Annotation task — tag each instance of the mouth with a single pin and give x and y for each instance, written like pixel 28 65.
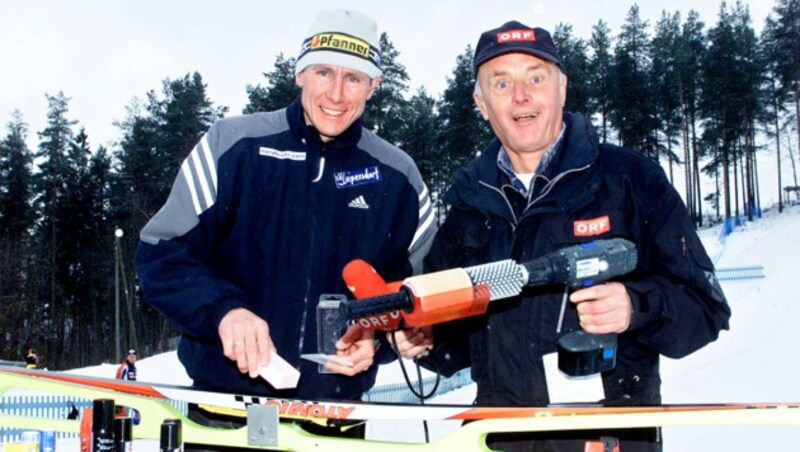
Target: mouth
pixel 332 112
pixel 524 116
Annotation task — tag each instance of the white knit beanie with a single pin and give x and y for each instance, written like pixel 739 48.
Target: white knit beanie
pixel 342 38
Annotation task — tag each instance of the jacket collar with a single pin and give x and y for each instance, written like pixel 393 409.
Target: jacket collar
pixel 308 133
pixel 504 163
pixel 480 183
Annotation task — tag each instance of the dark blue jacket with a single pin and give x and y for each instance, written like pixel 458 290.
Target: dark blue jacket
pixel 263 215
pixel 678 306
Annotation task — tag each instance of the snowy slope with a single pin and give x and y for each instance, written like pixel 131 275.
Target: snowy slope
pixel 757 360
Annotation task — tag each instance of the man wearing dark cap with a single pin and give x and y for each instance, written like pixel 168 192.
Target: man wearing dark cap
pixel 545 183
pixel 266 211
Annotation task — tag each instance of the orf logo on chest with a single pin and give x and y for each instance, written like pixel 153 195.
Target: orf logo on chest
pixel 588 228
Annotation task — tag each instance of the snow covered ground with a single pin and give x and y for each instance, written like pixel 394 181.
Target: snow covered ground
pixel 756 361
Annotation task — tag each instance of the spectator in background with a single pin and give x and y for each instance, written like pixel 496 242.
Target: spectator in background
pixel 32 359
pixel 127 370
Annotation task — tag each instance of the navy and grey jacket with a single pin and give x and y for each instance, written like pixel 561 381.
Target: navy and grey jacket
pixel 588 191
pixel 263 215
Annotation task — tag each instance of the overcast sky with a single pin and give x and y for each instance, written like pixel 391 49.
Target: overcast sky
pixel 102 54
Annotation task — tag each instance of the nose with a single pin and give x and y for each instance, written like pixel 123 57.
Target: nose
pixel 336 89
pixel 520 93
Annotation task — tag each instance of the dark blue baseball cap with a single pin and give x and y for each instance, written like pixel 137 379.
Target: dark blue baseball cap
pixel 514 37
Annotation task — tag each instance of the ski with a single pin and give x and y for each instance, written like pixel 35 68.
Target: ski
pixel 153 403
pixel 289 408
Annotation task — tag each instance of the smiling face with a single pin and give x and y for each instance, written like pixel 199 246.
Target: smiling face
pixel 522 97
pixel 333 97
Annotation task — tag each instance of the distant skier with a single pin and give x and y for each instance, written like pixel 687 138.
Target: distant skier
pixel 127 370
pixel 32 359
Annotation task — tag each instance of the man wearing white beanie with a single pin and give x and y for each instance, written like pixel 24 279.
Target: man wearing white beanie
pixel 267 210
pixel 342 45
pixel 354 44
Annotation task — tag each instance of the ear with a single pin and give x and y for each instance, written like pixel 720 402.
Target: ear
pixel 373 85
pixel 562 89
pixel 481 104
pixel 298 79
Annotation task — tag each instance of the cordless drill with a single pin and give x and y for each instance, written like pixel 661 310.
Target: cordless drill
pixel 438 297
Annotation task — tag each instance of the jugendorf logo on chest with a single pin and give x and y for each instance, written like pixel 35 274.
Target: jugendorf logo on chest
pixel 357 177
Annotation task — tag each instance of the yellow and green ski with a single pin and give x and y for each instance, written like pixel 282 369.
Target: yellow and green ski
pixel 152 402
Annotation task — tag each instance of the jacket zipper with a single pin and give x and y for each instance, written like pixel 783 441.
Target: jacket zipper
pixel 310 268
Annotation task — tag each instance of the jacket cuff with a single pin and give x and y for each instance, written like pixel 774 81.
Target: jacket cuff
pixel 645 308
pixel 384 353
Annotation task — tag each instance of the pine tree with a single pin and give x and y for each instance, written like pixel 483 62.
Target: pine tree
pixel 732 76
pixel 778 98
pixel 139 177
pixel 384 111
pixel 691 53
pixel 157 137
pixel 98 232
pixel 281 89
pixel 47 316
pixel 184 115
pixel 16 221
pixel 136 190
pixel 785 43
pixel 753 102
pixel 575 64
pixel 713 101
pixel 463 133
pixel 665 80
pixel 16 161
pixel 85 272
pixel 600 75
pixel 633 118
pixel 418 139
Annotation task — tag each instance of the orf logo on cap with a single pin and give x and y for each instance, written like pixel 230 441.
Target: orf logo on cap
pixel 515 35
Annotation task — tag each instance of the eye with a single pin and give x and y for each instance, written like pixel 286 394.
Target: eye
pixel 537 79
pixel 353 79
pixel 502 84
pixel 323 73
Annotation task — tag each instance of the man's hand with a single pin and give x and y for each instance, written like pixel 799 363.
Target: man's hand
pixel 356 345
pixel 604 308
pixel 245 339
pixel 412 342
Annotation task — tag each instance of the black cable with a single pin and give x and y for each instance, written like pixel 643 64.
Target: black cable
pixel 419 395
pixel 422 397
pixel 422 401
